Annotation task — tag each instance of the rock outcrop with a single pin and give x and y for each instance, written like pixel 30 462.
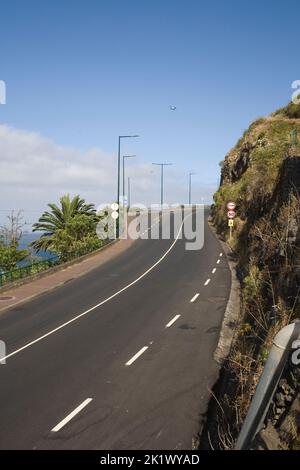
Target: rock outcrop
pixel 262 175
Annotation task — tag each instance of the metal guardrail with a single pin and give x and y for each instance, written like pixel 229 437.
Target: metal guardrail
pixel 279 354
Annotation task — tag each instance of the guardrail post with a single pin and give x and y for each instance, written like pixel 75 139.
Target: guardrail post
pixel 267 384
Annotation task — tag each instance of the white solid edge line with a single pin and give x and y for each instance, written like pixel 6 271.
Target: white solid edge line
pixel 100 303
pixel 207 282
pixel 218 261
pixel 194 298
pixel 172 321
pixel 71 415
pixel 214 270
pixel 136 356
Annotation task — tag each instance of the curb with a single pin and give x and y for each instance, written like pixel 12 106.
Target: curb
pixel 228 330
pixel 232 313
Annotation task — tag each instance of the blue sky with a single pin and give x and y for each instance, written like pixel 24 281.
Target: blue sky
pixel 79 73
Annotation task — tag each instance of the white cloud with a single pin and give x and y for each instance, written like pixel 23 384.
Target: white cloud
pixel 29 160
pixel 35 171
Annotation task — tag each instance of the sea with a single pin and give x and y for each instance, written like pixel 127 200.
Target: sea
pixel 25 240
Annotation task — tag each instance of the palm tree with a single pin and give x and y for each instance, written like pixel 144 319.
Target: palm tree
pixel 57 219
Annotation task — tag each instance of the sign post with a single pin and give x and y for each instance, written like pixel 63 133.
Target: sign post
pixel 231 214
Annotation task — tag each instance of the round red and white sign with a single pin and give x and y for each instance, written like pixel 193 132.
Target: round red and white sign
pixel 231 206
pixel 231 214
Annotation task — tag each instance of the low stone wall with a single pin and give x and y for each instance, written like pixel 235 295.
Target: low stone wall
pixel 59 267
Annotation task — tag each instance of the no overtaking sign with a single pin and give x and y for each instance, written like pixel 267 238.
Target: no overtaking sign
pixel 231 214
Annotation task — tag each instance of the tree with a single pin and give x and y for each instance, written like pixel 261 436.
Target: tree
pixel 69 228
pixel 10 256
pixel 11 232
pixel 10 235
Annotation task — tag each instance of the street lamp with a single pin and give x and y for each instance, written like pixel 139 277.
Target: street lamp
pixel 128 191
pixel 125 156
pixel 119 165
pixel 162 180
pixel 190 186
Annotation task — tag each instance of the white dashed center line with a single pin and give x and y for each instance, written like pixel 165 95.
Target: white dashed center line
pixel 172 321
pixel 71 415
pixel 136 356
pixel 214 270
pixel 194 298
pixel 221 254
pixel 207 282
pixel 218 262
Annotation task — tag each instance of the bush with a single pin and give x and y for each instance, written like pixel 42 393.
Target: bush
pixel 10 255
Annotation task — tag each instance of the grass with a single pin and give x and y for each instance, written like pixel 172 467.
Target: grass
pixel 270 141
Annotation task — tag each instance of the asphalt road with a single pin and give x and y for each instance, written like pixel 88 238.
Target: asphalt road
pixel 93 364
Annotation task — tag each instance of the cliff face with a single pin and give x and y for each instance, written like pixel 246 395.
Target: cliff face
pixel 251 170
pixel 262 175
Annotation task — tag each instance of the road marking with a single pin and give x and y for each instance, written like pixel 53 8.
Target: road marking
pixel 71 415
pixel 172 321
pixel 221 254
pixel 100 303
pixel 214 270
pixel 218 262
pixel 136 356
pixel 207 282
pixel 194 298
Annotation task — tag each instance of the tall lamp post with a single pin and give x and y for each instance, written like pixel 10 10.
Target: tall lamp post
pixel 162 180
pixel 190 186
pixel 119 165
pixel 125 156
pixel 128 191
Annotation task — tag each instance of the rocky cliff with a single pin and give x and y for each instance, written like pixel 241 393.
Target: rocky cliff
pixel 261 174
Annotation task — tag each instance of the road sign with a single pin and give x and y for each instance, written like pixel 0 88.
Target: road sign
pixel 231 205
pixel 115 206
pixel 230 222
pixel 231 214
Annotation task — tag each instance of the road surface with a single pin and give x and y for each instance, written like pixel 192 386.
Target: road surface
pixel 120 358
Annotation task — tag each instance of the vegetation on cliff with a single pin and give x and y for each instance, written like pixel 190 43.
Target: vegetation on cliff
pixel 250 170
pixel 262 175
